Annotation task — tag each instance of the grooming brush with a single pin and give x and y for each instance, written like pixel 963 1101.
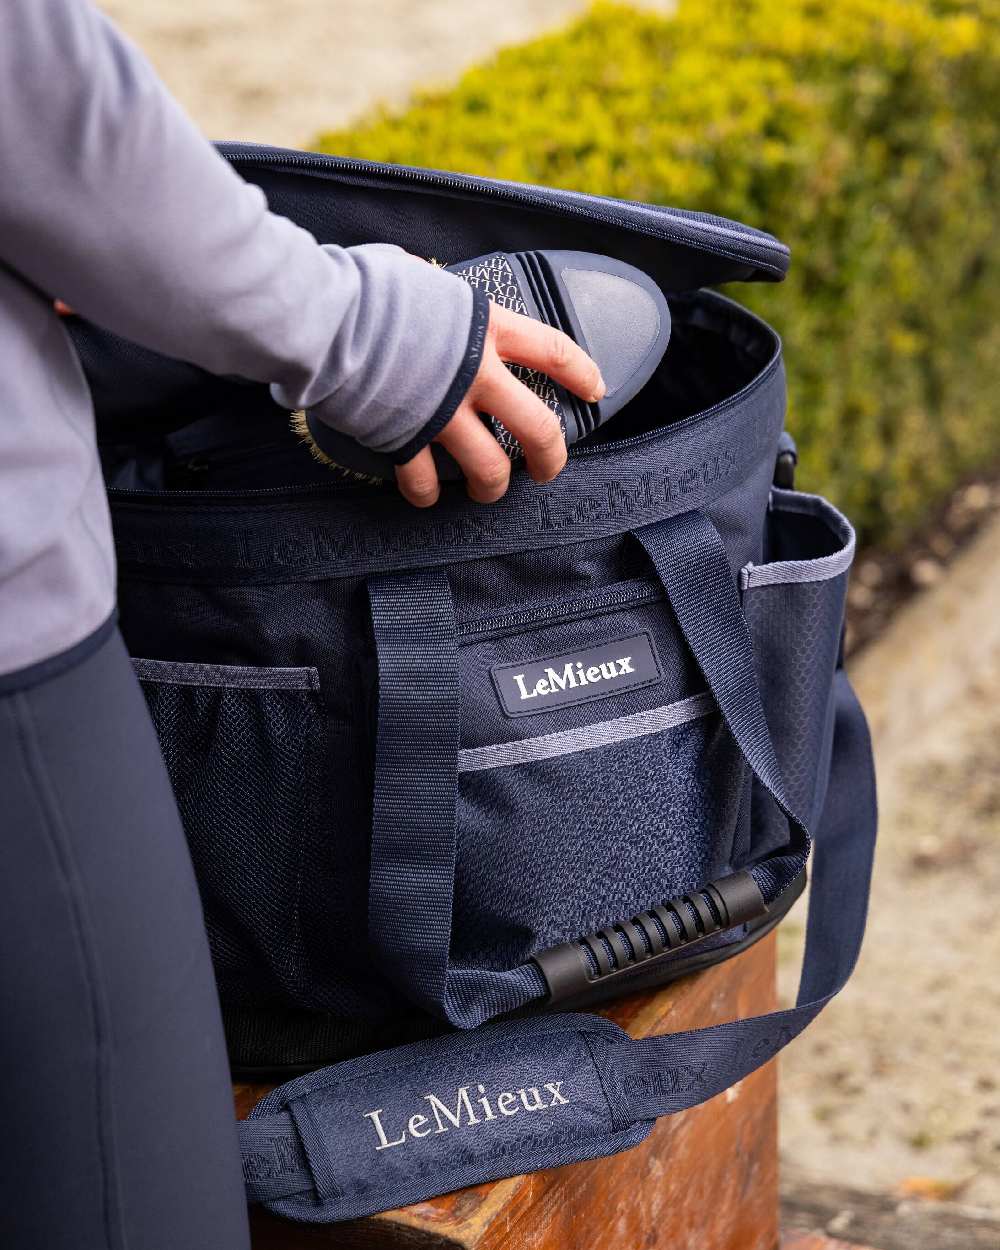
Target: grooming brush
pixel 616 313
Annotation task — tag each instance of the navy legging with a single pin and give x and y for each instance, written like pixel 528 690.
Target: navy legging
pixel 116 1118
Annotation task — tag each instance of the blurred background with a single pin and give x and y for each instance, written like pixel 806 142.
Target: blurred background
pixel 865 135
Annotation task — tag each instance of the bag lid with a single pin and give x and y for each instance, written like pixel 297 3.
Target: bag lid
pixel 447 216
pixel 390 203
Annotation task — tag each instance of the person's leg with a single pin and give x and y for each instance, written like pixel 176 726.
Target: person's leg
pixel 116 1121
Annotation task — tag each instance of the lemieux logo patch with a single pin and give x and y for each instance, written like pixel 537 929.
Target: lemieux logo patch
pixel 577 676
pixel 507 1103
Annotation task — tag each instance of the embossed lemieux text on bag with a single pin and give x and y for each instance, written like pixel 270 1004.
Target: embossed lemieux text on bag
pixel 451 776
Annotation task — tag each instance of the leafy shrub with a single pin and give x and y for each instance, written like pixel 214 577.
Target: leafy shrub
pixel 864 133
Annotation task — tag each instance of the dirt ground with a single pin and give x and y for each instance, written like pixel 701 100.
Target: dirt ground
pixel 280 71
pixel 897 1084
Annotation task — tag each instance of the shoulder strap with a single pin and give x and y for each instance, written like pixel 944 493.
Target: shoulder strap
pixel 514 1096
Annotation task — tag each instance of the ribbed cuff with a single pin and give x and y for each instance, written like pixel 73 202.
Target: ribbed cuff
pixel 461 382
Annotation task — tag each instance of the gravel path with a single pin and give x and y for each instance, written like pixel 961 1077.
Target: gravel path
pixel 896 1086
pixel 281 73
pixel 897 1083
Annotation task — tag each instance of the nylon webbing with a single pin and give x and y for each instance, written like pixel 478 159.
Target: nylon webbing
pixel 274 1163
pixel 668 1073
pixel 413 850
pixel 411 880
pixel 412 871
pixel 691 561
pixel 664 1074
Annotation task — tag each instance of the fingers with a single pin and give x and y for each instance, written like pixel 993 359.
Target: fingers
pixel 418 480
pixel 495 390
pixel 519 410
pixel 479 455
pixel 529 342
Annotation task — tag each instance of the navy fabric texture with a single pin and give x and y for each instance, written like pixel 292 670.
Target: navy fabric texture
pixel 413 861
pixel 412 855
pixel 335 531
pixel 666 1074
pixel 397 1126
pixel 794 606
pixel 412 867
pixel 692 562
pixel 397 841
pixel 312 1150
pixel 306 1150
pixel 276 785
pixel 300 890
pixel 245 763
pixel 118 1126
pixel 666 807
pixel 517 638
pixel 796 629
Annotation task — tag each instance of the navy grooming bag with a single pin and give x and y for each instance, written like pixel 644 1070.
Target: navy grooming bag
pixel 451 776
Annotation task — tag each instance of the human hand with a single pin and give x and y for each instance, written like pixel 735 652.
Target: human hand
pixel 519 340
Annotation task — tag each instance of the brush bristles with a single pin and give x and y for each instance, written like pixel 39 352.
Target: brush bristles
pixel 300 427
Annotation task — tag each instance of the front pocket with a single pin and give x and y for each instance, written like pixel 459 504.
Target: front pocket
pixel 600 784
pixel 240 747
pixel 794 604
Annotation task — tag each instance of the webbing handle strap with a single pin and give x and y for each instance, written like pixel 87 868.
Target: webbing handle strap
pixel 677 1070
pixel 412 874
pixel 514 1096
pixel 691 561
pixel 411 881
pixel 413 846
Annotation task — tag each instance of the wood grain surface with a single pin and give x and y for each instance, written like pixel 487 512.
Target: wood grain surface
pixel 705 1179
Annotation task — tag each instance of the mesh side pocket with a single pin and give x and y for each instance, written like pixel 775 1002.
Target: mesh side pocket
pixel 239 747
pixel 795 607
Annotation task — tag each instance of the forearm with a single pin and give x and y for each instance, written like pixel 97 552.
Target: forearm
pixel 112 201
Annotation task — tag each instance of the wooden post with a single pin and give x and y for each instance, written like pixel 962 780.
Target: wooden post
pixel 705 1179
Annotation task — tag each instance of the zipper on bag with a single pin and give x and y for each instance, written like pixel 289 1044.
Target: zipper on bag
pixel 623 214
pixel 635 593
pixel 761 248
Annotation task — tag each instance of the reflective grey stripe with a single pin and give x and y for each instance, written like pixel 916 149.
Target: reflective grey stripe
pixel 225 676
pixel 586 737
pixel 783 572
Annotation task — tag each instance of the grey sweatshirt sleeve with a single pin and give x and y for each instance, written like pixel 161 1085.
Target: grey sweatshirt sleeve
pixel 113 202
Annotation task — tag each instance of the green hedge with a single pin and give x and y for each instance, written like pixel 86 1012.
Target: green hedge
pixel 864 133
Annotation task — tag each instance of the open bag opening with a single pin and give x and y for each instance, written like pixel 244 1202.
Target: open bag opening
pixel 417 751
pixel 210 434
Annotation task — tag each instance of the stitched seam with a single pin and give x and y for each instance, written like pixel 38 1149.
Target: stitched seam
pixel 225 676
pixel 616 1124
pixel 320 1080
pixel 591 737
pixel 54 825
